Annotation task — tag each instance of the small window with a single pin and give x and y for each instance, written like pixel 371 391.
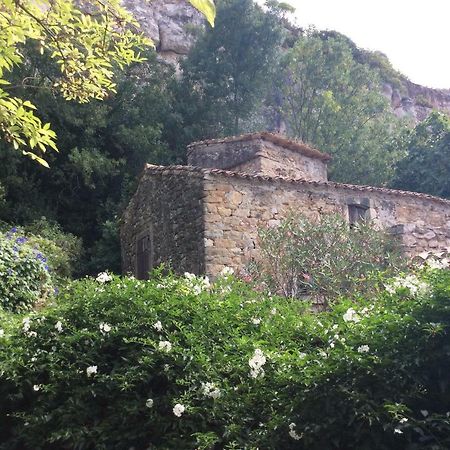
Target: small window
pixel 357 213
pixel 144 256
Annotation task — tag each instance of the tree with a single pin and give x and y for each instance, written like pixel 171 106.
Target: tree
pixel 331 101
pixel 103 147
pixel 229 70
pixel 87 43
pixel 426 166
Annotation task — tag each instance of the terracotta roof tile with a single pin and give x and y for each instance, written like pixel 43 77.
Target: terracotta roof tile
pixel 332 184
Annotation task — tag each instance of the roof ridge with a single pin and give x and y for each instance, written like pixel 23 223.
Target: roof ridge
pixel 355 187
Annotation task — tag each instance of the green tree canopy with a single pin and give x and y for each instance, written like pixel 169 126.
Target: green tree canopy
pixel 103 147
pixel 87 42
pixel 229 69
pixel 331 101
pixel 426 166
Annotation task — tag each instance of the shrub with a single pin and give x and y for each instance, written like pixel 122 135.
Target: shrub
pixel 175 363
pixel 422 100
pixel 62 250
pixel 24 273
pixel 324 260
pixel 105 252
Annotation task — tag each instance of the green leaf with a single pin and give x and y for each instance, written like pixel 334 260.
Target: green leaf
pixel 28 104
pixel 207 8
pixel 37 158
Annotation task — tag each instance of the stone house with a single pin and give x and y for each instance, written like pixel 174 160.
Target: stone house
pixel 204 216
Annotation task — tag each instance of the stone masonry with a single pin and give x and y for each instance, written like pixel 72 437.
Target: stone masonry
pixel 202 219
pixel 260 154
pixel 167 209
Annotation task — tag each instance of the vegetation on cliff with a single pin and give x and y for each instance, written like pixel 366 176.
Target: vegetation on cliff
pixel 330 100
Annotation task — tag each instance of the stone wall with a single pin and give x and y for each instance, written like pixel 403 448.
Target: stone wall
pixel 260 154
pixel 237 205
pixel 290 164
pixel 168 207
pixel 223 155
pixel 202 220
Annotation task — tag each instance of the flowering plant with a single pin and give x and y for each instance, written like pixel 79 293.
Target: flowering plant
pixel 325 260
pixel 24 273
pixel 190 369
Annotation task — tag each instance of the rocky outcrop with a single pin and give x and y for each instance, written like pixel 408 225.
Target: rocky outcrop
pixel 415 101
pixel 169 23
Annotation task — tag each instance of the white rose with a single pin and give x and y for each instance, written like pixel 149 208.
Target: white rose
pixel 165 345
pixel 105 327
pixel 91 370
pixel 178 409
pixel 103 277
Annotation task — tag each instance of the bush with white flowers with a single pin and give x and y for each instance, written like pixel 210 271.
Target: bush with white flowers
pixel 162 364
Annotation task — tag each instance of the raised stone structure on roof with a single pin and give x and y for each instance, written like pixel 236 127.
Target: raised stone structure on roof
pixel 260 154
pixel 201 219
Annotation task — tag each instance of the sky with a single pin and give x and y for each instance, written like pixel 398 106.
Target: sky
pixel 414 34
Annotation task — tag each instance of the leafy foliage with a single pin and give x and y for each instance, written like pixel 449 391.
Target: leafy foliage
pixel 228 72
pixel 88 41
pixel 193 366
pixel 104 146
pixel 85 45
pixel 24 273
pixel 334 103
pixel 324 259
pixel 207 8
pixel 63 250
pixel 426 166
pixel 376 60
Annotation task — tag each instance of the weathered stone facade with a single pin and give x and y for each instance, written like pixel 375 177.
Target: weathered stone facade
pixel 261 154
pixel 203 219
pixel 168 209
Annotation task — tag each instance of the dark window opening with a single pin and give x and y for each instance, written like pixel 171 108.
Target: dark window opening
pixel 357 213
pixel 144 256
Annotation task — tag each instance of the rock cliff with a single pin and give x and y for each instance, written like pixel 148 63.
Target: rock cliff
pixel 416 101
pixel 170 23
